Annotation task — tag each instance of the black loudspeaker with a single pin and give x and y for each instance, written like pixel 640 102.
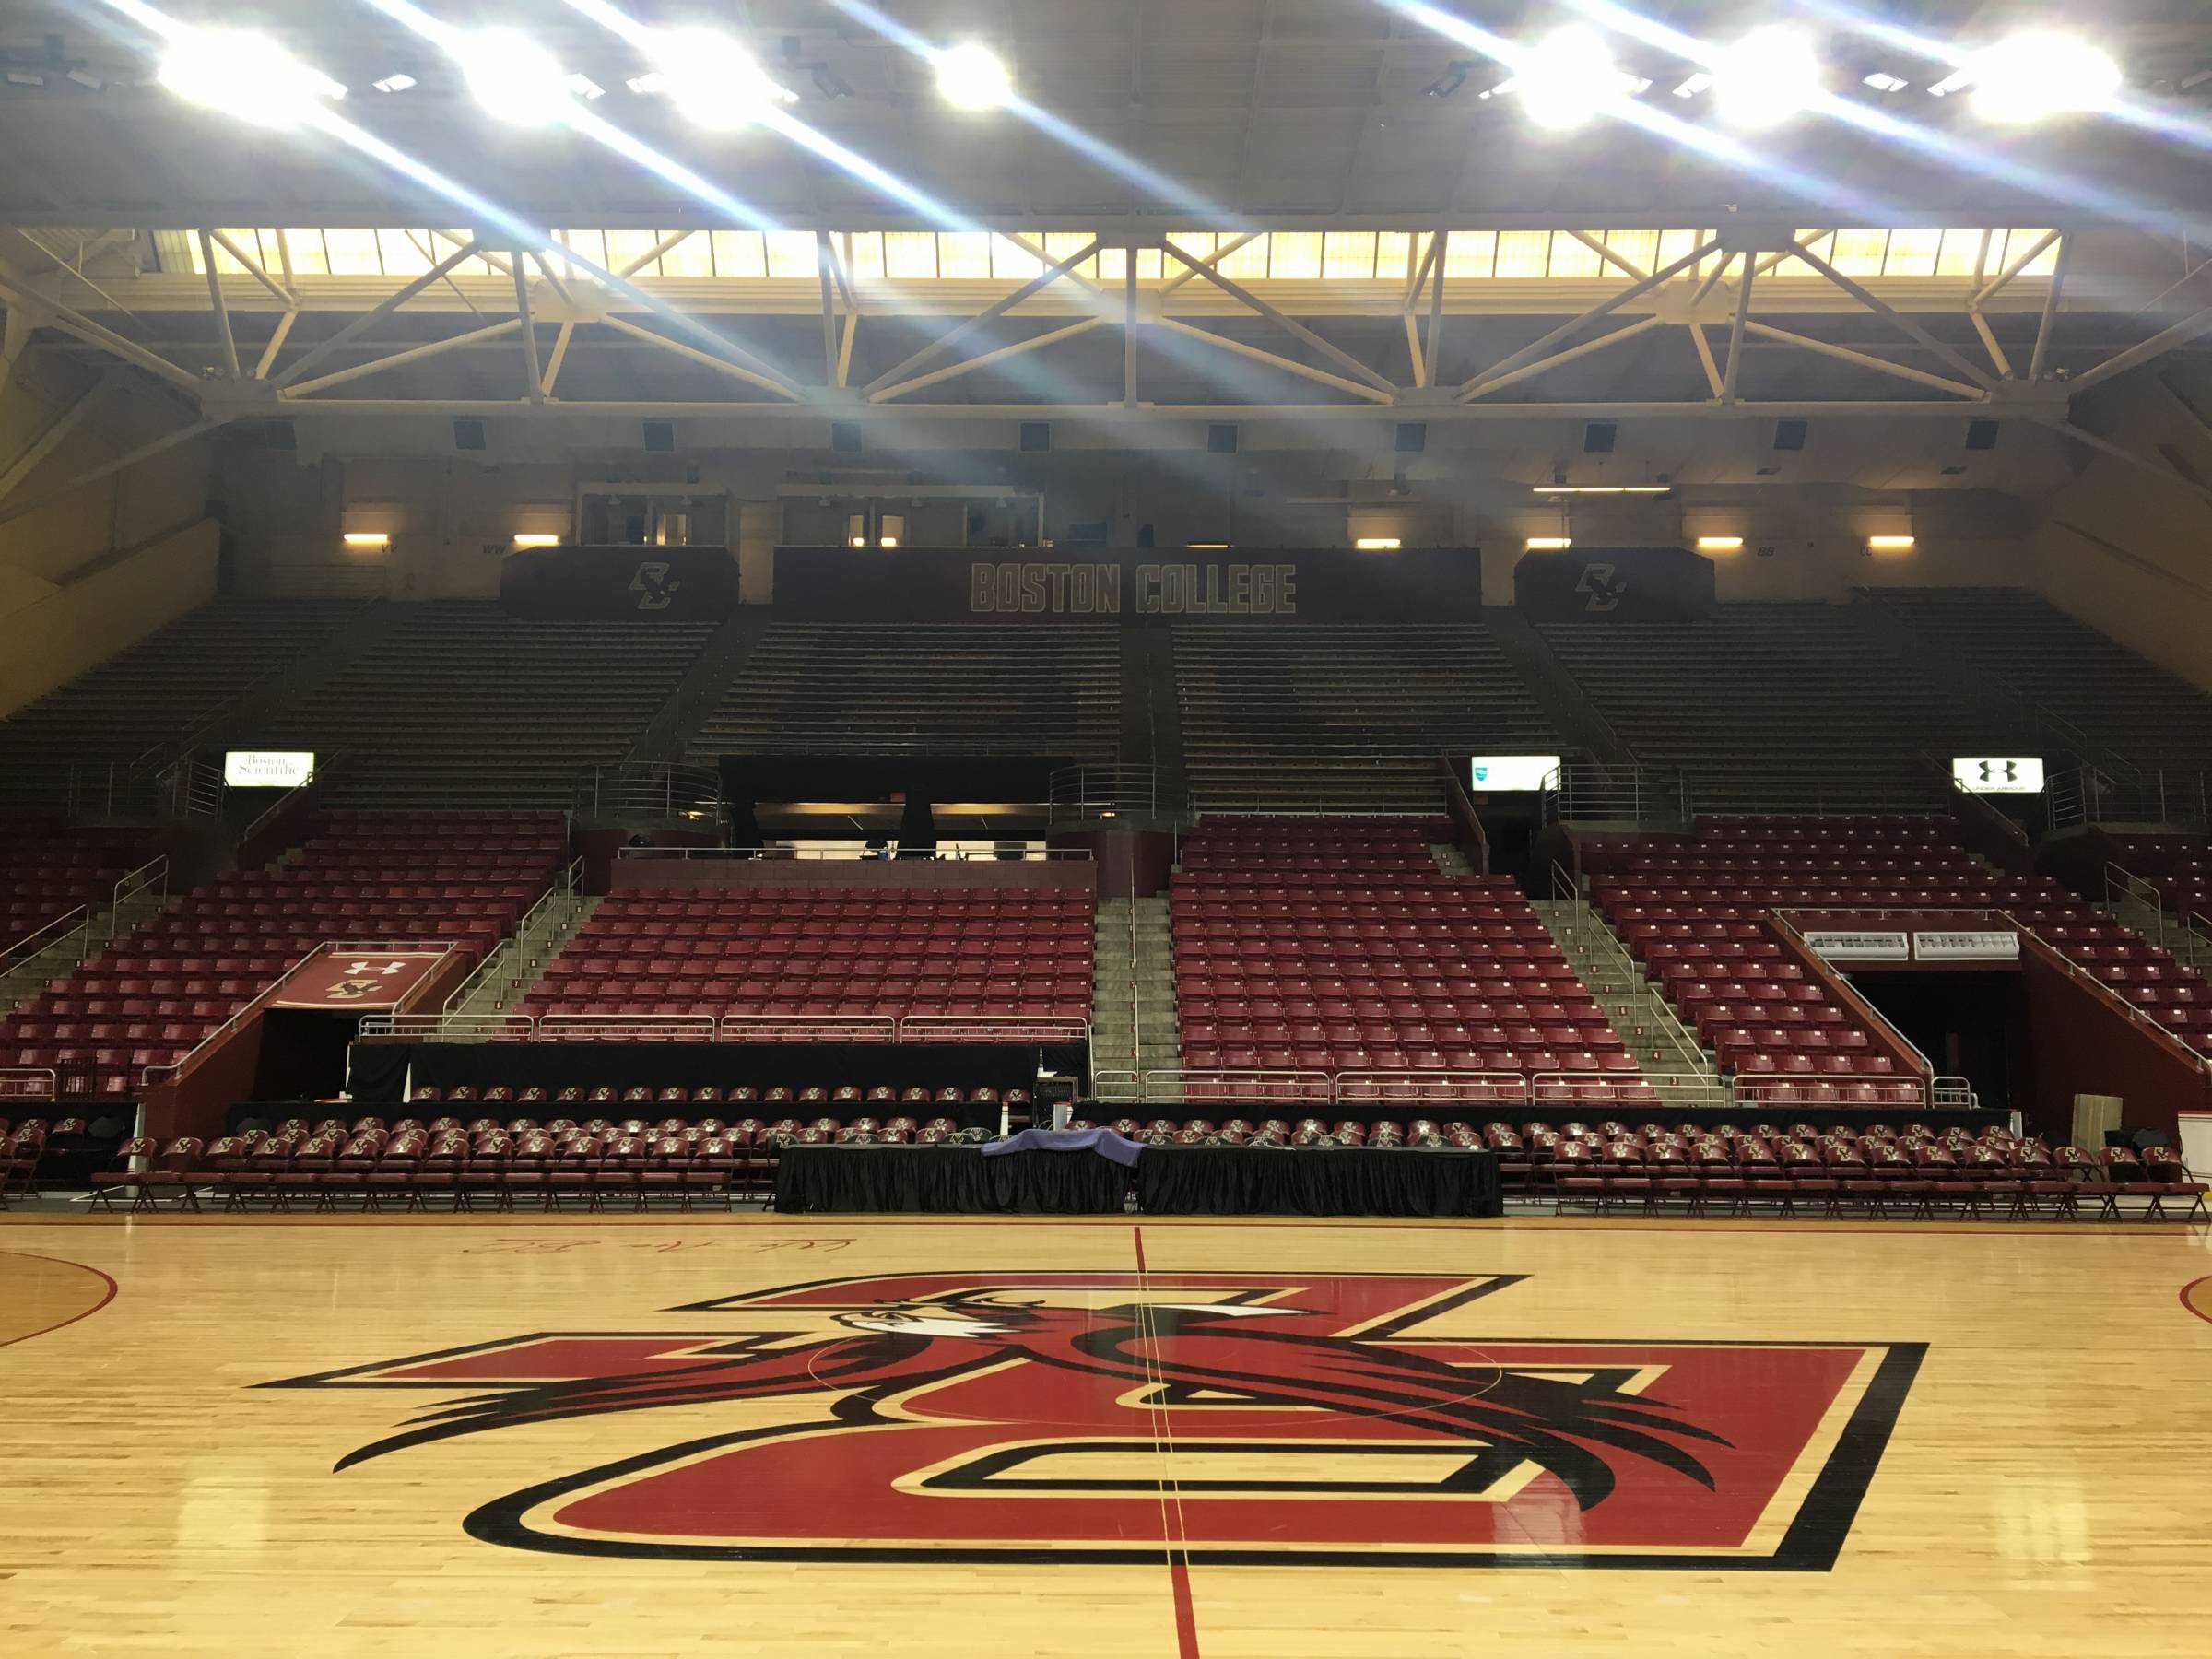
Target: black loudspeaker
pixel 469 434
pixel 1221 438
pixel 1789 434
pixel 1413 437
pixel 844 437
pixel 1036 436
pixel 660 437
pixel 1981 434
pixel 1598 437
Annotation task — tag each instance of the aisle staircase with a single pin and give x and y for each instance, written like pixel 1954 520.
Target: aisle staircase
pixel 512 971
pixel 1664 1050
pixel 1133 1026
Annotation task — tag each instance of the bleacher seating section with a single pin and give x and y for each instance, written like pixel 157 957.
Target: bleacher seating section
pixel 929 689
pixel 368 877
pixel 1696 914
pixel 2126 704
pixel 1338 946
pixel 581 1156
pixel 1779 706
pixel 1343 716
pixel 821 954
pixel 48 873
pixel 147 697
pixel 462 705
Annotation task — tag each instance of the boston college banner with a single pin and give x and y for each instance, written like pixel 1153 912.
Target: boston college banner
pixel 1124 587
pixel 635 584
pixel 357 982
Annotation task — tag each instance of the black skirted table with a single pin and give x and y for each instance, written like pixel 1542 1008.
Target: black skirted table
pixel 1170 1180
pixel 1317 1181
pixel 957 1181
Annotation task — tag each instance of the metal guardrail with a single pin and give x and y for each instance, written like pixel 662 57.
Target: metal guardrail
pixel 2086 794
pixel 856 854
pixel 152 876
pixel 728 1028
pixel 1094 792
pixel 666 790
pixel 23 1082
pixel 1586 791
pixel 1623 974
pixel 1610 1090
pixel 2120 1005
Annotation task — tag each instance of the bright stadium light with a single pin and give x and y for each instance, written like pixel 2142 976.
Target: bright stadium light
pixel 512 76
pixel 1770 76
pixel 1567 77
pixel 244 75
pixel 972 78
pixel 2037 74
pixel 713 80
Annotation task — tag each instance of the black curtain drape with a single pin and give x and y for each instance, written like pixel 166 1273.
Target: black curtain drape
pixel 946 1180
pixel 1316 1181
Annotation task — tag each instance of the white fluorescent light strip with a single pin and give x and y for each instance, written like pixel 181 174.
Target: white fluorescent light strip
pixel 1696 84
pixel 1601 489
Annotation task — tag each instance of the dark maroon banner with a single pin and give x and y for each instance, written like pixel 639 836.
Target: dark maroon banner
pixel 357 981
pixel 1127 586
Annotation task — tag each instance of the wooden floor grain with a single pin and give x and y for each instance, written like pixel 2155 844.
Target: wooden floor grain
pixel 2047 1488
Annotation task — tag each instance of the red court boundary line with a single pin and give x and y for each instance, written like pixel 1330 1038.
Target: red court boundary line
pixel 2191 1306
pixel 63 1260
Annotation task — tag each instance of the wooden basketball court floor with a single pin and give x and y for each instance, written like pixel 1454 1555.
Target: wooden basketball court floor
pixel 675 1434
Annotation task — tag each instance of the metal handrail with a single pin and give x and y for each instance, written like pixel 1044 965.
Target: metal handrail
pixel 78 920
pixel 1270 1084
pixel 2122 884
pixel 446 1026
pixel 1408 1086
pixel 153 873
pixel 483 970
pixel 669 789
pixel 1689 1051
pixel 2134 1015
pixel 1925 1070
pixel 283 803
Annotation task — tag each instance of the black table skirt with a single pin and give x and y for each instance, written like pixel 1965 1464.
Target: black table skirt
pixel 1316 1181
pixel 946 1180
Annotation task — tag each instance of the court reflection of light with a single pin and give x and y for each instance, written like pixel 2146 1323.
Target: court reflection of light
pixel 2042 1532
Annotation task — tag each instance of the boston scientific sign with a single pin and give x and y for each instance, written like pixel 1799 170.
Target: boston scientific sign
pixel 1000 586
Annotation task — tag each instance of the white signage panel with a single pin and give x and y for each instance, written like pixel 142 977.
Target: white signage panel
pixel 1998 774
pixel 1839 945
pixel 1992 947
pixel 1492 774
pixel 267 768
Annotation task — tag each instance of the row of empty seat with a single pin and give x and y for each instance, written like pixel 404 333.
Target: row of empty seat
pixel 1781 706
pixel 1340 714
pixel 1372 960
pixel 928 689
pixel 459 704
pixel 827 953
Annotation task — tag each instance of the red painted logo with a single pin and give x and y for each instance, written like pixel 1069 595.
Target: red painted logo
pixel 1281 1417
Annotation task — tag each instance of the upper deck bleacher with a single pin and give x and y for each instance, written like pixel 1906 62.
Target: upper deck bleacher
pixel 1345 715
pixel 148 696
pixel 1797 707
pixel 2126 704
pixel 922 688
pixel 461 704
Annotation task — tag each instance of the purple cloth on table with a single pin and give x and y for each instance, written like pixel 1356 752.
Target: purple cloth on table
pixel 1104 1142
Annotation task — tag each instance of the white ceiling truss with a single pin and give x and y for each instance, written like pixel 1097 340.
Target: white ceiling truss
pixel 1747 320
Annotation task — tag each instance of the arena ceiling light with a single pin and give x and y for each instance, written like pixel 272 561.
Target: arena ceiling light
pixel 1567 77
pixel 2037 74
pixel 713 80
pixel 973 76
pixel 514 78
pixel 244 75
pixel 1772 76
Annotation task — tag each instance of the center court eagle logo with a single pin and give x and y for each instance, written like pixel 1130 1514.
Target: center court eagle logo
pixel 1231 1417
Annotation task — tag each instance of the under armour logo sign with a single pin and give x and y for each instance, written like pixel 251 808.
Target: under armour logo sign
pixel 654 585
pixel 2000 771
pixel 388 970
pixel 1597 581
